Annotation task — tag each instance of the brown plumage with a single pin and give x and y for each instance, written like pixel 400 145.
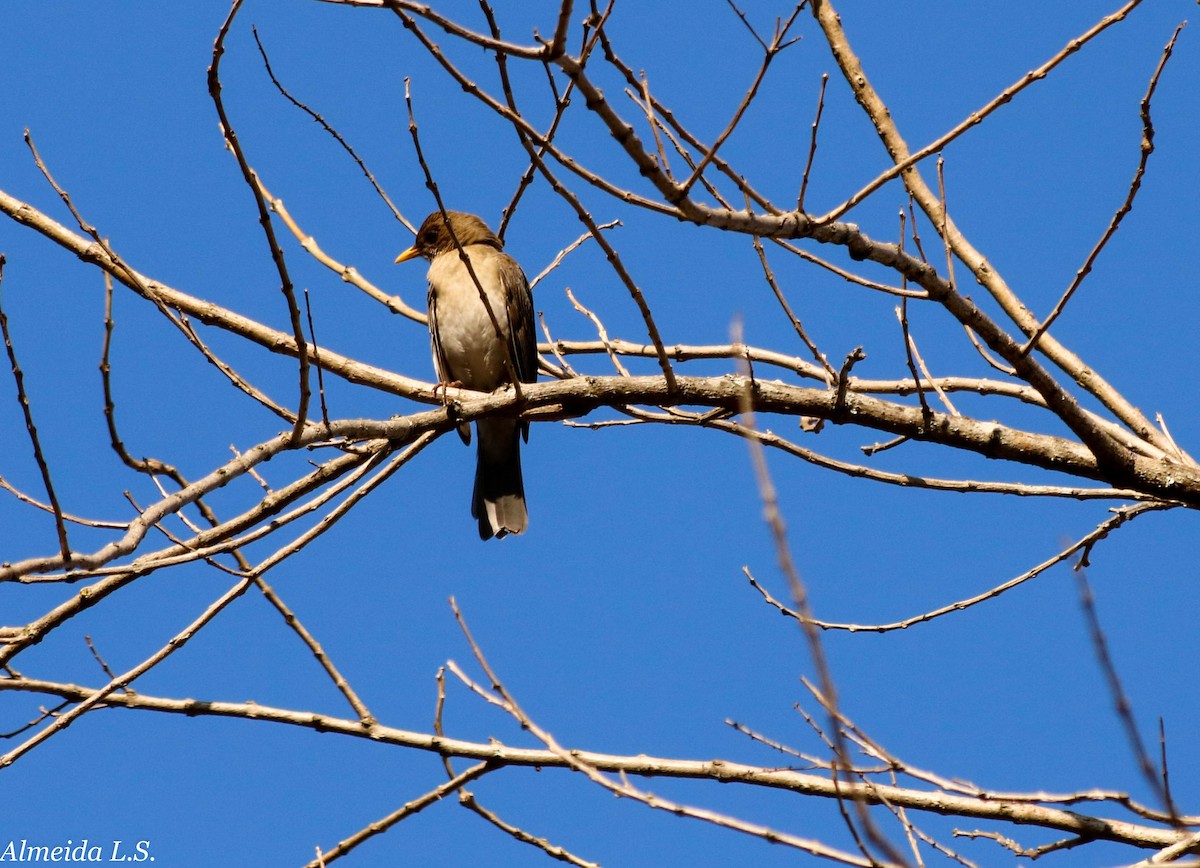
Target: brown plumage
pixel 468 350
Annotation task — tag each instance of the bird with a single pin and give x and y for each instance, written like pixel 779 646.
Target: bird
pixel 477 350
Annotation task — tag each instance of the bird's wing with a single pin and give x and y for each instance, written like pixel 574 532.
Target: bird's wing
pixel 439 360
pixel 522 338
pixel 522 333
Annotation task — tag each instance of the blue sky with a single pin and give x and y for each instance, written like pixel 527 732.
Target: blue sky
pixel 621 621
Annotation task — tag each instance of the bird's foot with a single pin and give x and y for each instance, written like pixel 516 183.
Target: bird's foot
pixel 444 389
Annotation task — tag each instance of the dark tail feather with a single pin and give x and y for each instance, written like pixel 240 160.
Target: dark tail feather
pixel 498 501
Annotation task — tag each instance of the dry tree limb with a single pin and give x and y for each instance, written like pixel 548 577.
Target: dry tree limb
pixel 1081 546
pixel 275 341
pixel 600 330
pixel 45 507
pixel 120 682
pixel 17 639
pixel 405 811
pixel 1170 855
pixel 976 117
pixel 1177 478
pixel 1147 148
pixel 264 219
pixel 160 294
pixel 337 137
pixel 1023 811
pixel 812 144
pixel 347 273
pixel 793 225
pixel 39 457
pixel 1063 404
pixel 576 760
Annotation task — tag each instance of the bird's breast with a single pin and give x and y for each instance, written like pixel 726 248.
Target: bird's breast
pixel 471 349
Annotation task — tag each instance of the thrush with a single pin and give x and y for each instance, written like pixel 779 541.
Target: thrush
pixel 475 349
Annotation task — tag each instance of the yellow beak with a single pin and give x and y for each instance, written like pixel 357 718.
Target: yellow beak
pixel 410 253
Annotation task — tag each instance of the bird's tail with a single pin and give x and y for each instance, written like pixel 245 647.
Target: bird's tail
pixel 498 501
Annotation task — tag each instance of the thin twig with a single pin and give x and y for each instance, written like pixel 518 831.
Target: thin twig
pixel 370 176
pixel 405 811
pixel 554 851
pixel 812 144
pixel 348 273
pixel 910 348
pixel 570 248
pixel 64 720
pixel 1124 708
pixel 45 507
pixel 976 117
pixel 1147 148
pixel 561 101
pixel 43 714
pixel 99 660
pixel 775 522
pixel 769 276
pixel 600 331
pixel 556 350
pixel 501 697
pixel 849 276
pixel 316 356
pixel 31 429
pixel 778 43
pixel 264 219
pixel 1081 546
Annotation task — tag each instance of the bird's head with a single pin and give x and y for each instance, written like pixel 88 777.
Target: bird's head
pixel 436 236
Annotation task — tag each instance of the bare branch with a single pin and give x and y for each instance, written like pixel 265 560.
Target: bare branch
pixel 1081 546
pixel 976 117
pixel 337 137
pixel 1003 809
pixel 31 429
pixel 1147 148
pixel 264 218
pixel 1065 406
pixel 403 812
pixel 812 145
pixel 1124 708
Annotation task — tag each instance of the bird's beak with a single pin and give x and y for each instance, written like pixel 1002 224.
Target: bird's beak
pixel 411 253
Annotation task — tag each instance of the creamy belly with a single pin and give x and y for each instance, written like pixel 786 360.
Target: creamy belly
pixel 473 352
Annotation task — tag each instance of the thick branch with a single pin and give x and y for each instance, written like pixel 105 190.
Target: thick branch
pixel 205 311
pixel 1002 810
pixel 931 204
